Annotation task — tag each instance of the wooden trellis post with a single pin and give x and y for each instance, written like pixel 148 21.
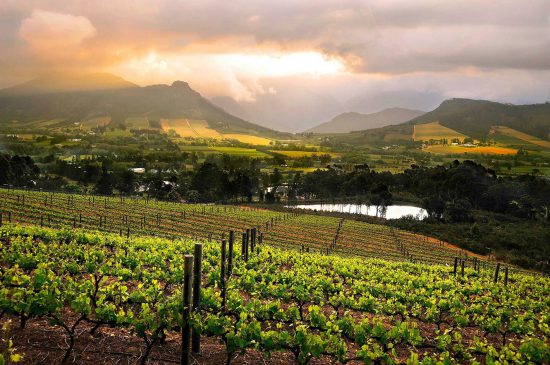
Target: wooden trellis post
pixel 456 263
pixel 197 276
pixel 230 256
pixel 187 293
pixel 223 273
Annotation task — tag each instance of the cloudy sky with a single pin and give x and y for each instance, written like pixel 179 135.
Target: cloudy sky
pixel 290 64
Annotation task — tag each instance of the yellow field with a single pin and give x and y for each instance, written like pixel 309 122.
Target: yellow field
pixel 200 129
pixel 246 138
pixel 488 150
pixel 520 135
pixel 190 128
pixel 434 130
pixel 295 154
pixel 181 126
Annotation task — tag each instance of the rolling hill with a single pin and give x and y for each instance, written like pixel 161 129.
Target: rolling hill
pixel 476 118
pixel 65 82
pixel 348 122
pixel 32 101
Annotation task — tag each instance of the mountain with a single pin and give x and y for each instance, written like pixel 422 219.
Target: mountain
pixel 348 122
pixel 80 103
pixel 476 117
pixel 231 106
pixel 65 82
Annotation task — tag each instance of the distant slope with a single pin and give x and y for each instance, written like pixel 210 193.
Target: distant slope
pixel 510 132
pixel 348 122
pixel 231 106
pixel 476 117
pixel 154 102
pixel 66 82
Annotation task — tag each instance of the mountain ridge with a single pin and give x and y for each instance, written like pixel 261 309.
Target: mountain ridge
pixel 56 82
pixel 353 121
pixel 476 117
pixel 177 100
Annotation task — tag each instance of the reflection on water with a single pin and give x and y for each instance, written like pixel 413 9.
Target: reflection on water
pixel 389 212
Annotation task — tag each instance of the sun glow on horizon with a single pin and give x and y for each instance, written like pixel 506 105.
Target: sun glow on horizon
pixel 308 63
pixel 273 65
pixel 237 72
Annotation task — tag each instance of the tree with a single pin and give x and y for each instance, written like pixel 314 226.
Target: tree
pixel 434 205
pixel 458 211
pixel 276 178
pixel 105 184
pixel 126 182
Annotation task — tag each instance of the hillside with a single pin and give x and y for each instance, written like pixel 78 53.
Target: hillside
pixel 476 117
pixel 28 102
pixel 66 82
pixel 348 122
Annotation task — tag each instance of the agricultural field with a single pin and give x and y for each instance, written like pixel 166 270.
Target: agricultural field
pixel 488 150
pixel 174 220
pixel 236 151
pixel 96 122
pixel 117 133
pixel 297 154
pixel 189 128
pixel 250 139
pixel 395 136
pixel 434 130
pixel 137 123
pixel 506 131
pixel 201 129
pixel 101 280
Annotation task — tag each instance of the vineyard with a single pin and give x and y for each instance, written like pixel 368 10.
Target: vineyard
pixel 88 279
pixel 137 216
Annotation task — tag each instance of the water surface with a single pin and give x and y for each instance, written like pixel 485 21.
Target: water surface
pixel 390 212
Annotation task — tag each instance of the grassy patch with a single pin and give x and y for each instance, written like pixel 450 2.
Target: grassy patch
pixel 137 122
pixel 434 130
pixel 297 154
pixel 117 133
pixel 95 122
pixel 249 152
pixel 506 131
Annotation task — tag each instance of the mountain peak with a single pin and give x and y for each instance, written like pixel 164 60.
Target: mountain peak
pixel 181 84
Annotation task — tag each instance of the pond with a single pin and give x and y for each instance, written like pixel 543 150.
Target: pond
pixel 390 212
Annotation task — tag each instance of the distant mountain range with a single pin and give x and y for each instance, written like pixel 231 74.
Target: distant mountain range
pixel 81 97
pixel 476 117
pixel 66 82
pixel 348 122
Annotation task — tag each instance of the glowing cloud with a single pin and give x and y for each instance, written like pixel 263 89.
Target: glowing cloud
pixel 45 29
pixel 235 72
